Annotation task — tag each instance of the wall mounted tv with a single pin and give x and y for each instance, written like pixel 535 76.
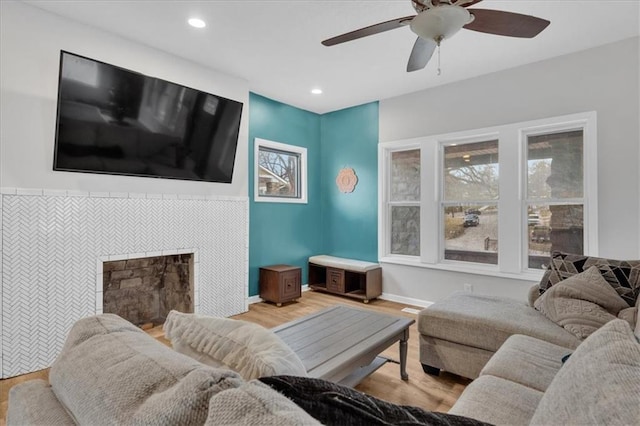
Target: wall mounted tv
pixel 115 121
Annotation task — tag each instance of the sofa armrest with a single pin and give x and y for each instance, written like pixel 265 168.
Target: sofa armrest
pixel 34 403
pixel 534 293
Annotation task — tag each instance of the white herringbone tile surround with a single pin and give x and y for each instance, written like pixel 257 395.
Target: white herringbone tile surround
pixel 53 243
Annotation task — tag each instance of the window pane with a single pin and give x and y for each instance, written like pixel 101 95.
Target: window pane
pixel 471 171
pixel 405 230
pixel 405 175
pixel 555 165
pixel 279 173
pixel 554 227
pixel 471 233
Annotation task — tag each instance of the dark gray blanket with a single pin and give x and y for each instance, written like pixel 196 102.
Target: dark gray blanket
pixel 333 404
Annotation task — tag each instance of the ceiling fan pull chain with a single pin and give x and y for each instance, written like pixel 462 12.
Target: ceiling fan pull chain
pixel 438 41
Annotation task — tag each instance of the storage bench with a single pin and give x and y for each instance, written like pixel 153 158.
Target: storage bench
pixel 347 277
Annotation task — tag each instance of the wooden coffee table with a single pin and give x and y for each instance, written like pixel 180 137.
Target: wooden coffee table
pixel 342 344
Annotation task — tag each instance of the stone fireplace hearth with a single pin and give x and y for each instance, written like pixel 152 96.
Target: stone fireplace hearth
pixel 144 290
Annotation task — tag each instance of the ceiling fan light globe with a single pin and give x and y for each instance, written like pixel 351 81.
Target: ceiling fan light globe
pixel 440 22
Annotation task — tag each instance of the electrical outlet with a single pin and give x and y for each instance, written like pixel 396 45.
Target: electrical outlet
pixel 468 288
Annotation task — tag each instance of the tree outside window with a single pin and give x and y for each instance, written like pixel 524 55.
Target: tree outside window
pixel 280 172
pixel 469 202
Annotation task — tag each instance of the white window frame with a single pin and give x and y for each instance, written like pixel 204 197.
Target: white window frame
pixel 440 194
pixel 301 151
pixel 512 213
pixel 384 214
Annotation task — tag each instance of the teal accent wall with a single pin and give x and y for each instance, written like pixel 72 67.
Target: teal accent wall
pixel 284 232
pixel 350 220
pixel 331 222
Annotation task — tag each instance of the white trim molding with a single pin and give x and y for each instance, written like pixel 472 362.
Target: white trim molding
pixel 512 202
pixel 298 151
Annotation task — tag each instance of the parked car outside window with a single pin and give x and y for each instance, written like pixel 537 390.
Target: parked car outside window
pixel 471 220
pixel 541 233
pixel 473 211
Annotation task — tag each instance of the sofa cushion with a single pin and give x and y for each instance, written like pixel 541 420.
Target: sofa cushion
pixel 599 383
pixel 622 275
pixel 255 403
pixel 460 359
pixel 247 348
pixel 582 303
pixel 110 372
pixel 528 361
pixel 485 322
pixel 498 401
pixel 34 403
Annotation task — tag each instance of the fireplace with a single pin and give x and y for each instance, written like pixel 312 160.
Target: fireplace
pixel 144 290
pixel 54 243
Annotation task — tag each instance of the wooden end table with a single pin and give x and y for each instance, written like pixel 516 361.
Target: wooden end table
pixel 280 283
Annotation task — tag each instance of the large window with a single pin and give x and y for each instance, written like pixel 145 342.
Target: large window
pixel 280 172
pixel 469 201
pixel 555 194
pixel 404 202
pixel 495 200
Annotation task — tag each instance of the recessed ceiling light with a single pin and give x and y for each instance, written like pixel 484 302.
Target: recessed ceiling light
pixel 198 23
pixel 316 91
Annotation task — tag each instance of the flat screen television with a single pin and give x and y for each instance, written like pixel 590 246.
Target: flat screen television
pixel 116 121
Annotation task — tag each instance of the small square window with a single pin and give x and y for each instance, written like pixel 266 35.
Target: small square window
pixel 280 172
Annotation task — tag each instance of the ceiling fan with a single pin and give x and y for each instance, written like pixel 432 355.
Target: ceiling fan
pixel 438 20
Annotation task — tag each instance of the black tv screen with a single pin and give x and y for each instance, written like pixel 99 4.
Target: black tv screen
pixel 115 121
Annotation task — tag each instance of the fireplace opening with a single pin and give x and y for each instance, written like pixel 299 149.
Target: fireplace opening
pixel 144 290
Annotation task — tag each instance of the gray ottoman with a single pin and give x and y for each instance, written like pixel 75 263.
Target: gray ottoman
pixel 461 332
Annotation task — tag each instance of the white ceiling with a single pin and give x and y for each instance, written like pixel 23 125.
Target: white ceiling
pixel 275 45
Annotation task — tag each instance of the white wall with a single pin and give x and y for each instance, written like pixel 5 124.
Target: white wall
pixel 603 79
pixel 29 61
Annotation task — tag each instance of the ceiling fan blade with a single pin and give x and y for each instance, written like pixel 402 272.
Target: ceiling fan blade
pixel 464 3
pixel 370 30
pixel 506 23
pixel 471 3
pixel 420 54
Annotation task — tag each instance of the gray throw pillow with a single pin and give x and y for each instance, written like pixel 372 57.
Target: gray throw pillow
pixel 246 348
pixel 582 303
pixel 110 372
pixel 599 384
pixel 622 275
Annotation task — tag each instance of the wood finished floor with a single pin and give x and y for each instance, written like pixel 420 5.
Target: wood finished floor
pixel 421 390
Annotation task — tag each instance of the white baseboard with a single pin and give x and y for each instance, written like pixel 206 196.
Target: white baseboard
pixel 406 300
pixel 254 299
pixel 257 299
pixel 385 296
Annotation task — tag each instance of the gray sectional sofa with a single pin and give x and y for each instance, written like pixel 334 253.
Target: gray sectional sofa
pixel 576 295
pixel 460 333
pixel 584 312
pixel 112 373
pixel 526 382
